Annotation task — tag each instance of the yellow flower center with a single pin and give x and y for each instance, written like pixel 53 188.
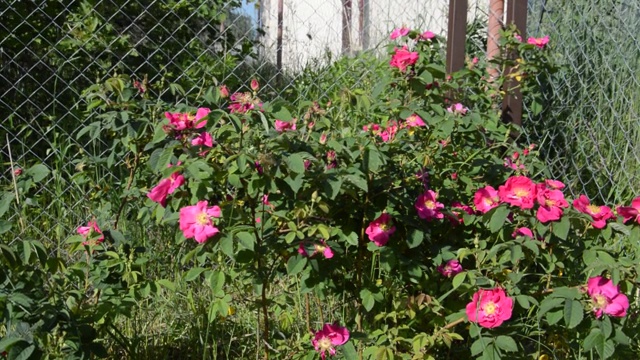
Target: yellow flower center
pixel 202 219
pixel 600 300
pixel 550 202
pixel 489 308
pixel 429 204
pixel 324 343
pixel 320 248
pixel 521 192
pixel 594 209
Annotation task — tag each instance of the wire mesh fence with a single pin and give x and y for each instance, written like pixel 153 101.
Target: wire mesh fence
pixel 589 131
pixel 52 51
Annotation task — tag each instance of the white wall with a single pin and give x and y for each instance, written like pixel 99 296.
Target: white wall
pixel 314 27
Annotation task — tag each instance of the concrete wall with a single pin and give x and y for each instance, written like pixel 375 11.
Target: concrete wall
pixel 313 28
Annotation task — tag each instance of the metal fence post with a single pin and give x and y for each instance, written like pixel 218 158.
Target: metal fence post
pixel 512 104
pixel 456 35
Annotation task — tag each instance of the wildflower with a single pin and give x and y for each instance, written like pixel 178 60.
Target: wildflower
pixel 522 231
pixel 389 133
pixel 254 85
pixel 451 268
pixel 224 91
pixel 403 58
pixel 17 171
pixel 330 336
pixel 490 308
pixel 184 121
pixel 321 248
pixel 380 229
pixel 91 231
pixel 606 297
pixel 195 221
pixel 258 167
pixel 517 37
pixel 399 32
pixel 630 212
pixel 486 198
pixel 428 207
pixel 457 208
pixel 282 126
pixel 457 109
pixel 203 139
pixel 539 42
pixel 518 191
pixel 551 204
pixel 553 184
pixel 427 35
pixel 165 187
pixel 599 214
pixel 243 102
pixel 414 121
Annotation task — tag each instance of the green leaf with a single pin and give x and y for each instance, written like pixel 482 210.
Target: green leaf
pixel 498 218
pixel 566 293
pixel 547 304
pixel 5 202
pixel 415 238
pixel 595 338
pixel 216 282
pixel 479 345
pixel 349 351
pixel 163 159
pixel 358 181
pixel 37 172
pixel 295 163
pixel 247 240
pixel 5 226
pixel 459 279
pixel 367 299
pixel 281 113
pixel 506 343
pixel 573 313
pixel 332 187
pixel 24 354
pixel 7 341
pixel 553 317
pixel 193 274
pixel 605 326
pixel 226 245
pixel 562 227
pixel 372 160
pixel 168 284
pixel 296 264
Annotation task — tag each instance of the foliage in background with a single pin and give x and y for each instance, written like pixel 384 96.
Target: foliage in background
pixel 293 177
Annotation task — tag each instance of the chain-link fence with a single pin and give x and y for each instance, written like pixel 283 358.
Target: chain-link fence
pixel 590 129
pixel 51 51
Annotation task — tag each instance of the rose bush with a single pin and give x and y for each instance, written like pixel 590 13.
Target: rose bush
pixel 404 214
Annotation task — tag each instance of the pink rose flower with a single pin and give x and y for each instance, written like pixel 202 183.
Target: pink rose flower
pixel 203 139
pixel 403 58
pixel 195 221
pixel 599 214
pixel 630 212
pixel 456 215
pixel 389 133
pixel 539 42
pixel 427 35
pixel 399 32
pixel 606 297
pixel 414 121
pixel 551 204
pixel 321 248
pixel 490 308
pixel 330 336
pixel 183 121
pixel 428 207
pixel 91 231
pixel 282 126
pixel 457 109
pixel 451 268
pixel 380 229
pixel 553 184
pixel 17 171
pixel 523 231
pixel 165 187
pixel 486 199
pixel 517 37
pixel 243 102
pixel 254 85
pixel 518 191
pixel 224 91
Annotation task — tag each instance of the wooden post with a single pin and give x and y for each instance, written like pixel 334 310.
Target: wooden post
pixel 512 104
pixel 496 14
pixel 279 41
pixel 456 35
